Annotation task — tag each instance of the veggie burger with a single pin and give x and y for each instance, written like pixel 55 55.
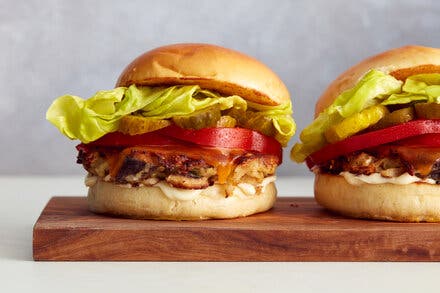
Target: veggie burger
pixel 191 131
pixel 374 145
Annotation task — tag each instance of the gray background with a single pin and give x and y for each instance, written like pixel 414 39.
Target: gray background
pixel 51 48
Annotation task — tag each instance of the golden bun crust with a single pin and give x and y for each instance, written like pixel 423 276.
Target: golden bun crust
pixel 152 203
pixel 212 67
pixel 400 62
pixel 416 202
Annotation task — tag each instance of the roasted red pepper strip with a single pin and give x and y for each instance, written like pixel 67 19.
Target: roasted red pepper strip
pixel 374 138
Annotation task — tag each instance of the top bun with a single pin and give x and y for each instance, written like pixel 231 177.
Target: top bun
pixel 401 63
pixel 212 67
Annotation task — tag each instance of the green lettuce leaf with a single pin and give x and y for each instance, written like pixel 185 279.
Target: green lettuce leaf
pixel 404 98
pixel 280 116
pixel 417 88
pixel 424 84
pixel 370 90
pixel 374 86
pixel 88 120
pixel 164 103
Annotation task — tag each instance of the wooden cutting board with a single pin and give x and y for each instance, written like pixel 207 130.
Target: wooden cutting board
pixel 296 229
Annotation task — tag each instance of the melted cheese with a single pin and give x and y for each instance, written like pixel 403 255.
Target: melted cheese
pixel 421 159
pixel 221 159
pixel 223 171
pixel 376 178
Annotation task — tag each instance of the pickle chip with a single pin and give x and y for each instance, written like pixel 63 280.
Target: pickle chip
pixel 395 118
pixel 355 123
pixel 200 119
pixel 260 123
pixel 238 114
pixel 427 110
pixel 133 125
pixel 226 121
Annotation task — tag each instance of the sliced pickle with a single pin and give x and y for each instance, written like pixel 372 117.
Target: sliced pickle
pixel 282 139
pixel 133 125
pixel 427 110
pixel 395 118
pixel 238 114
pixel 226 121
pixel 262 124
pixel 200 119
pixel 355 123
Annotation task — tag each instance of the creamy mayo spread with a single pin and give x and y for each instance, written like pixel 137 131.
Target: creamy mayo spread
pixel 376 178
pixel 242 190
pixel 90 180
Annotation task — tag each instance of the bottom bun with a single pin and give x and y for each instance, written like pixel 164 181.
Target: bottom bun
pixel 416 202
pixel 152 203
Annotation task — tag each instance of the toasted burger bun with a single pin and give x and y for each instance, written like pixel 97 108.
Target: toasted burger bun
pixel 212 67
pixel 152 203
pixel 407 203
pixel 416 202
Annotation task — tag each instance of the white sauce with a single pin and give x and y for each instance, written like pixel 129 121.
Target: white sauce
pixel 178 193
pixel 90 180
pixel 376 178
pixel 215 191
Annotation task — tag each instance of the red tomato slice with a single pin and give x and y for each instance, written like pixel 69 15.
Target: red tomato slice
pixel 230 138
pixel 374 138
pixel 424 140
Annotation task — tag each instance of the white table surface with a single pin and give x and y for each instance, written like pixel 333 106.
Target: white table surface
pixel 23 198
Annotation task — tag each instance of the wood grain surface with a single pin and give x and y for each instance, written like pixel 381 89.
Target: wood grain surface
pixel 296 229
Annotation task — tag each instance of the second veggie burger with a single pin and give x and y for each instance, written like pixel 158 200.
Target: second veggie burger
pixel 191 131
pixel 374 145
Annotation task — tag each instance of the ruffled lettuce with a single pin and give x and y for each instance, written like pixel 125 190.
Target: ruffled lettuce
pixel 418 88
pixel 164 103
pixel 88 120
pixel 370 90
pixel 280 116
